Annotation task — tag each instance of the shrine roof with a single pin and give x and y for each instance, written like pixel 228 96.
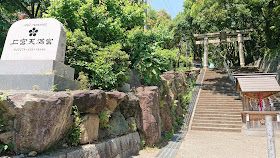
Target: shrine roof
pixel 257 82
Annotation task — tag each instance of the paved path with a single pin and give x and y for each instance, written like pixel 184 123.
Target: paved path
pixel 209 144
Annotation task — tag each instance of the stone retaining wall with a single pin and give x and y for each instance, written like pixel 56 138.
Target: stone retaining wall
pixel 124 146
pixel 40 120
pixel 270 63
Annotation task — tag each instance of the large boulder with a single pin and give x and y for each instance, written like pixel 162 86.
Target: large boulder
pixel 89 128
pixel 134 80
pixel 39 119
pixel 89 101
pixel 180 82
pixel 149 121
pixel 130 106
pixel 118 126
pixel 114 99
pixel 166 119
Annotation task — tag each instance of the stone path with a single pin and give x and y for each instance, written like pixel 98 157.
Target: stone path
pixel 210 144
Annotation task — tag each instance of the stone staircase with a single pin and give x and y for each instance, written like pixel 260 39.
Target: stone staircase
pixel 219 107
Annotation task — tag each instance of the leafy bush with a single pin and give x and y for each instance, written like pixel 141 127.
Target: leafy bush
pixel 106 67
pixel 141 47
pixel 104 119
pixel 74 134
pixel 4 147
pixel 84 81
pixel 104 21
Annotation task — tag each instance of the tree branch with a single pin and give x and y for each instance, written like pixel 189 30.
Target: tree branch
pixel 24 8
pixel 32 7
pixel 37 9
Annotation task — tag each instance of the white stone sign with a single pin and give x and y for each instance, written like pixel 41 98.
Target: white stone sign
pixel 35 39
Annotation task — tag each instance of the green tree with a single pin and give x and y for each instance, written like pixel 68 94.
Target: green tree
pixel 96 31
pixel 156 18
pixel 104 21
pixel 206 16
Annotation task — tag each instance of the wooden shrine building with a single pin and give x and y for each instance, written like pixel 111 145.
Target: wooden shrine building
pixel 258 98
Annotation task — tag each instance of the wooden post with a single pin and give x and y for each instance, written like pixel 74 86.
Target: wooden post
pixel 146 16
pixel 186 53
pixel 240 49
pixel 205 64
pixel 270 137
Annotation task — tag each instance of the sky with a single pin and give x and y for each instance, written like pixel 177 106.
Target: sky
pixel 172 7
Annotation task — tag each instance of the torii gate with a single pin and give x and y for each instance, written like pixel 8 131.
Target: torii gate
pixel 223 39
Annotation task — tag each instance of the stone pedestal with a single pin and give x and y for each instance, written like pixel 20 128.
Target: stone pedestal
pixel 33 57
pixel 36 75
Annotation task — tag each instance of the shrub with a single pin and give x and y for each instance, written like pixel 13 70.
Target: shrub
pixel 105 67
pixel 104 119
pixel 141 47
pixel 74 134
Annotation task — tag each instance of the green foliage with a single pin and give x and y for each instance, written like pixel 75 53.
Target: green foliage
pixel 143 57
pixel 103 21
pixel 158 18
pixel 84 81
pixel 96 31
pixel 169 136
pixel 175 125
pixel 172 57
pixel 74 134
pixel 143 144
pixel 54 88
pixel 134 127
pixel 4 26
pixel 175 103
pixel 162 103
pixel 178 123
pixel 3 96
pixel 206 16
pixel 172 112
pixel 4 147
pixel 104 119
pixel 105 67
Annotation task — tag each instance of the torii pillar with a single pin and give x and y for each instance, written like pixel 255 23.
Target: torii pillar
pixel 240 49
pixel 205 63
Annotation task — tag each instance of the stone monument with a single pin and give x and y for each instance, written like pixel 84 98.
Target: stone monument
pixel 33 57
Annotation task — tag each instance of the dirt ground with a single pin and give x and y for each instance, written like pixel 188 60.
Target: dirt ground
pixel 208 144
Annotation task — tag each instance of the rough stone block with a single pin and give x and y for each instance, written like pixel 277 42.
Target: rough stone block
pixel 90 127
pixel 40 119
pixel 89 101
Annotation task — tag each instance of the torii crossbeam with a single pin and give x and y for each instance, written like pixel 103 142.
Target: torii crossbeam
pixel 223 39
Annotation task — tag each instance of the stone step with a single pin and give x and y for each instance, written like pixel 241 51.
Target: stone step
pixel 217 121
pixel 208 95
pixel 219 95
pixel 216 129
pixel 218 108
pixel 219 101
pixel 218 115
pixel 216 93
pixel 214 111
pixel 217 90
pixel 239 125
pixel 219 104
pixel 211 110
